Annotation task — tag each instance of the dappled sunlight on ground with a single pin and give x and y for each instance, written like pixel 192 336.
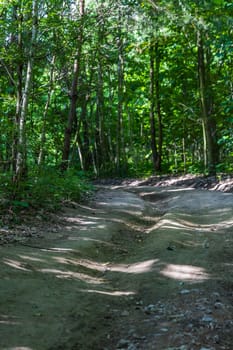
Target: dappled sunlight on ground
pixel 31 258
pixel 58 249
pixel 9 320
pixel 140 267
pixel 169 223
pixel 89 264
pixel 15 264
pixel 185 273
pixel 88 208
pixel 115 293
pixel 81 221
pixel 119 203
pixel 51 266
pixel 130 212
pixel 84 218
pixel 74 275
pixel 108 263
pixel 181 189
pixel 185 243
pixel 173 222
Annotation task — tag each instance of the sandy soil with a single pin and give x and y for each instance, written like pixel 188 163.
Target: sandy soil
pixel 139 268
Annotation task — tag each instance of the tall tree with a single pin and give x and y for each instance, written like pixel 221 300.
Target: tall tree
pixel 23 92
pixel 152 106
pixel 211 156
pixel 155 104
pixel 74 89
pixel 120 93
pixel 41 156
pixel 158 106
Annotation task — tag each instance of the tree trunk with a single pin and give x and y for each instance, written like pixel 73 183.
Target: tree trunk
pixel 87 159
pixel 152 107
pixel 158 165
pixel 82 139
pixel 19 85
pixel 22 103
pixel 155 104
pixel 100 143
pixel 73 93
pixel 41 156
pixel 211 151
pixel 120 90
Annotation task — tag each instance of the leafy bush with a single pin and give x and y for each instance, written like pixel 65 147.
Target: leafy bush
pixel 53 187
pixel 46 188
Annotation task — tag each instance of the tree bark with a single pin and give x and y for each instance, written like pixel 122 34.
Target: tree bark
pixel 152 107
pixel 41 156
pixel 73 93
pixel 155 106
pixel 23 100
pixel 211 151
pixel 100 142
pixel 19 84
pixel 82 137
pixel 120 91
pixel 158 165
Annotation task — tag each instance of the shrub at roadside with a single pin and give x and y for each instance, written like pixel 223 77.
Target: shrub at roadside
pixel 47 189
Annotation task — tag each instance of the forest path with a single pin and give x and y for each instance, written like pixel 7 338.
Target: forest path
pixel 137 268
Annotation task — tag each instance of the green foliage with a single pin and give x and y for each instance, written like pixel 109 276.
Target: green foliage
pixel 48 188
pixel 51 187
pixel 95 134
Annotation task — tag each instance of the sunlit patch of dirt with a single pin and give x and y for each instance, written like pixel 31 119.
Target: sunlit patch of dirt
pixel 185 273
pixel 139 267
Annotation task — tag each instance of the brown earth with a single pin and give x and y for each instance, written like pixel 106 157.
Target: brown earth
pixel 139 267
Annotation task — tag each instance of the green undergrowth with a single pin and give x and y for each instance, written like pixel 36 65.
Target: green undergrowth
pixel 48 189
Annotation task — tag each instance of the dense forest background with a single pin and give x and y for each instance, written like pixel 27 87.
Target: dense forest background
pixel 113 88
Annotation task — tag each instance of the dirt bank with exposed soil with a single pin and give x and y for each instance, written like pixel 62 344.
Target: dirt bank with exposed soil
pixel 140 267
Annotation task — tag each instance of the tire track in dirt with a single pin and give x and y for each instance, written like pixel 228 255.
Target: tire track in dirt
pixel 137 268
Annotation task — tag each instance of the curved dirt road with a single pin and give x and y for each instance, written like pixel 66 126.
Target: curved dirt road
pixel 137 268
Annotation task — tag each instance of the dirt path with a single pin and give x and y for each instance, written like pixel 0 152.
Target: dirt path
pixel 139 268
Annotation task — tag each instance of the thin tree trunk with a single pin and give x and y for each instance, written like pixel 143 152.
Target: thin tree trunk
pixel 86 136
pixel 184 154
pixel 73 93
pixel 158 164
pixel 100 144
pixel 83 142
pixel 152 107
pixel 22 103
pixel 209 128
pixel 120 76
pixel 46 108
pixel 19 85
pixel 111 143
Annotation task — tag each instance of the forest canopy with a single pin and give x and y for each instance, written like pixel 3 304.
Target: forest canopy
pixel 115 88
